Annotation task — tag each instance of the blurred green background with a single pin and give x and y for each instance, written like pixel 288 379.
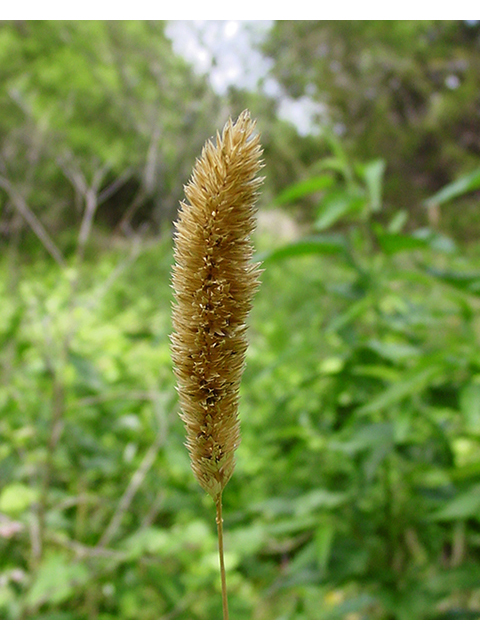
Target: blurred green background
pixel 357 487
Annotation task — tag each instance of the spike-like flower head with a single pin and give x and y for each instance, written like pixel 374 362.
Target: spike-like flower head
pixel 214 282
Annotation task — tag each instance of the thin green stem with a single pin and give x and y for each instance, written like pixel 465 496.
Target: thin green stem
pixel 218 504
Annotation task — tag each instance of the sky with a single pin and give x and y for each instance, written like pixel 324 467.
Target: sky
pixel 224 49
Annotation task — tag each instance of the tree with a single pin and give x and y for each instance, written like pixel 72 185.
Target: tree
pixel 406 91
pixel 97 116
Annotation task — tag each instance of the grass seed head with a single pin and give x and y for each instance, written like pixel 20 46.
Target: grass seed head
pixel 214 282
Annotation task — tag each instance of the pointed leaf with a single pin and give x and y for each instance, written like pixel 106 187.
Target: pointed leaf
pixel 372 173
pixel 392 243
pixel 304 188
pixel 414 383
pixel 465 505
pixel 469 282
pixel 337 205
pixel 465 184
pixel 324 245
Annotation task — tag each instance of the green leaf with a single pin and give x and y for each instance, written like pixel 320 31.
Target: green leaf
pixel 437 241
pixel 87 376
pixel 394 350
pixel 448 581
pixel 413 384
pixel 337 205
pixel 368 437
pixel 291 526
pixel 467 471
pixel 304 188
pixel 16 497
pixel 319 499
pixel 398 221
pixel 248 540
pixel 147 541
pixel 353 312
pixel 323 544
pixel 56 580
pixel 469 282
pixel 335 164
pixel 470 407
pixel 372 173
pixel 465 505
pixel 465 184
pixel 323 245
pixel 392 243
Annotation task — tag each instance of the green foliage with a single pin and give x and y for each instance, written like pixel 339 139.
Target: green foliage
pixel 375 383
pixel 356 492
pixel 357 487
pixel 402 90
pixel 465 184
pixel 90 109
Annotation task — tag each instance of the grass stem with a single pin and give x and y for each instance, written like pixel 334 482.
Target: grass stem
pixel 218 504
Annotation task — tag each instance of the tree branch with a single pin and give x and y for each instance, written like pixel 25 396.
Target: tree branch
pixel 27 214
pixel 137 479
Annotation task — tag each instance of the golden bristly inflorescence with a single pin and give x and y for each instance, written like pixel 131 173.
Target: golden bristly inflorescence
pixel 214 281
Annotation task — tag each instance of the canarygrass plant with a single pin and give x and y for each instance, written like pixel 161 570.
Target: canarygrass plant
pixel 214 281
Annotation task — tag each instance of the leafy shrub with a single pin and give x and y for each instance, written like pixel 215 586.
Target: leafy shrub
pixel 356 492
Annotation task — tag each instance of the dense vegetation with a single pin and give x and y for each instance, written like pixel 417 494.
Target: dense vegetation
pixel 357 487
pixel 402 90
